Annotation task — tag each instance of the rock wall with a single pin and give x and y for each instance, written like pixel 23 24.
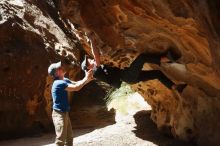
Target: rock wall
pixel 32 36
pixel 126 28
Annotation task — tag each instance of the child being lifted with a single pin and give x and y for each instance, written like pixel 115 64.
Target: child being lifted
pixel 132 74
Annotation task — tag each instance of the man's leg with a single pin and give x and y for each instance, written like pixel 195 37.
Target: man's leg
pixel 59 120
pixel 69 132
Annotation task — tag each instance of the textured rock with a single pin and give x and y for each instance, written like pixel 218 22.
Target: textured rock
pixel 32 36
pixel 35 33
pixel 127 28
pixel 30 40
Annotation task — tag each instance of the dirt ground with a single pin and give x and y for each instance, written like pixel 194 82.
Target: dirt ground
pixel 133 127
pixel 131 130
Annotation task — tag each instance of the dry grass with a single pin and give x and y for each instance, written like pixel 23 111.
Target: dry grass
pixel 125 101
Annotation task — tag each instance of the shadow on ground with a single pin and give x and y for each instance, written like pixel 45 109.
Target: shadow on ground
pixel 147 130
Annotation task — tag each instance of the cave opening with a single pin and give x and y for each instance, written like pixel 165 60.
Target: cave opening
pixel 126 102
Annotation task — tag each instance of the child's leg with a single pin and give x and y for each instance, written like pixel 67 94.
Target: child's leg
pixel 131 73
pixel 108 75
pixel 156 74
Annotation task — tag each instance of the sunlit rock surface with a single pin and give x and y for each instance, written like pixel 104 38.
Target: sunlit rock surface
pixel 127 28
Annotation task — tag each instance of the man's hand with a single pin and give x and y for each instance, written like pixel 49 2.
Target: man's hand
pixel 89 75
pixel 79 84
pixel 91 64
pixel 95 49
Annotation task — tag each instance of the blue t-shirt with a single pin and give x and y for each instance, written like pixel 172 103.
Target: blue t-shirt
pixel 59 95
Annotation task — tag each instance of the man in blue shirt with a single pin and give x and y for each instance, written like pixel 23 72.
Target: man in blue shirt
pixel 61 108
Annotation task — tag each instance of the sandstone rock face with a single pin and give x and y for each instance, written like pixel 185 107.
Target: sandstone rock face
pixel 30 40
pixel 32 36
pixel 36 33
pixel 127 28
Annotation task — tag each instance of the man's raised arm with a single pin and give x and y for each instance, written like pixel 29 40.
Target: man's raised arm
pixel 76 86
pixel 95 50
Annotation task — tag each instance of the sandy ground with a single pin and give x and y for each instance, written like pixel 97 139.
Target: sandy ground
pixel 137 130
pixel 133 127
